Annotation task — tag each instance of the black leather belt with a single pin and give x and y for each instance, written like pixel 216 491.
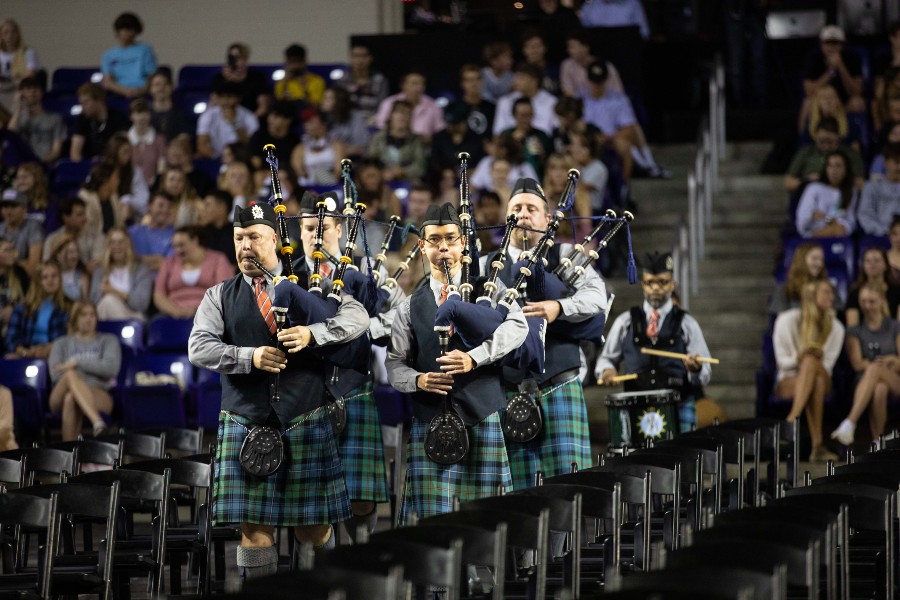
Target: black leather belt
pixel 555 380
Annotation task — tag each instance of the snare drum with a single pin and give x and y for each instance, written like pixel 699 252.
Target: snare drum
pixel 635 417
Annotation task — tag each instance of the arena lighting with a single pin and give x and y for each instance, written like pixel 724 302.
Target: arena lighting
pixel 31 371
pixel 278 75
pixel 127 332
pixel 336 74
pixel 176 368
pixel 518 5
pixel 96 77
pixel 401 193
pixel 443 101
pixel 75 110
pixel 199 108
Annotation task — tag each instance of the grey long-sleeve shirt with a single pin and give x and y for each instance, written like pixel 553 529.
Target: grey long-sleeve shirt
pixel 98 359
pixel 206 348
pixel 508 336
pixel 879 203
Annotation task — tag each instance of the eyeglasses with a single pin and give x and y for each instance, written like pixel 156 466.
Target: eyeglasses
pixel 435 240
pixel 661 282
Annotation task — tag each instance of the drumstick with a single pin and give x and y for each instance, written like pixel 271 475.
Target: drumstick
pixel 712 361
pixel 621 378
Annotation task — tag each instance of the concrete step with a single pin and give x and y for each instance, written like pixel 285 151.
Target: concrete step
pixel 712 266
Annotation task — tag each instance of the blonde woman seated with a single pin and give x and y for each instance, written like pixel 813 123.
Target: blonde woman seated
pixel 872 348
pixel 807 344
pixel 83 366
pixel 122 285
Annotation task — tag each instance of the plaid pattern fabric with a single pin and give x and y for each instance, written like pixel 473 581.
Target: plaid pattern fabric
pixel 20 330
pixel 362 449
pixel 430 488
pixel 687 416
pixel 308 489
pixel 565 438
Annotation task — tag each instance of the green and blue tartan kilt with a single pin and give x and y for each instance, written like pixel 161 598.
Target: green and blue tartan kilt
pixel 430 488
pixel 564 439
pixel 308 488
pixel 362 449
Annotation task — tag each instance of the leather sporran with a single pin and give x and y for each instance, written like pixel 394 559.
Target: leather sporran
pixel 337 414
pixel 447 440
pixel 262 451
pixel 522 419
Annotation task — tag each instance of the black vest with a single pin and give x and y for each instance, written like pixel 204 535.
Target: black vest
pixel 301 385
pixel 476 394
pixel 655 372
pixel 560 354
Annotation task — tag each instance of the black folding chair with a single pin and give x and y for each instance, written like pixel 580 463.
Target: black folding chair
pixel 703 579
pixel 93 451
pixel 24 511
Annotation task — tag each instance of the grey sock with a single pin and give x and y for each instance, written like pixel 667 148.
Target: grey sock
pixel 257 562
pixel 369 521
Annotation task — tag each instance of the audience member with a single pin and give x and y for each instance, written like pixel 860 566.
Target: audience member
pixel 278 132
pixel 500 181
pixel 534 50
pixel 807 343
pixel 152 241
pixel 121 286
pixel 420 198
pixel 317 159
pixel 83 367
pixel 100 195
pixel 489 213
pixel 612 114
pixel 186 275
pixel 254 88
pixel 555 178
pixel 31 180
pixel 7 434
pixel 17 61
pixel 40 318
pixel 885 68
pixel 807 265
pixel 178 154
pixel 224 122
pixel 148 148
pixel 554 20
pixel 427 116
pixel 827 206
pixel 880 200
pixel 568 111
pixel 477 111
pixel 26 234
pixel 217 232
pixel 43 130
pixel 573 78
pixel 809 161
pixel 527 84
pixel 132 188
pixel 380 200
pixel 14 282
pixel 833 64
pixel 584 151
pixel 75 279
pixel 95 124
pixel 346 125
pixel 503 147
pixel 872 347
pixel 497 75
pixel 448 188
pixel 455 138
pixel 826 103
pixel 402 151
pixel 892 137
pixel 894 250
pixel 299 84
pixel 615 13
pixel 127 67
pixel 237 180
pixel 367 88
pixel 874 268
pixel 166 118
pixel 535 143
pixel 174 183
pixel 73 214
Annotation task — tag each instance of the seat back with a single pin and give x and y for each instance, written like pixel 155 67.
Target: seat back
pixel 130 333
pixel 705 578
pixel 32 512
pixel 12 467
pixel 93 451
pixel 49 460
pixel 28 380
pixel 183 439
pixel 800 564
pixel 168 335
pixel 156 403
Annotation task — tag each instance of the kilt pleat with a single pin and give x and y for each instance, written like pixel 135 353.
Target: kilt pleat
pixel 362 448
pixel 564 439
pixel 308 489
pixel 430 488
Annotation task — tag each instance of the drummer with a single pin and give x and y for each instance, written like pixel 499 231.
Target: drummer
pixel 662 325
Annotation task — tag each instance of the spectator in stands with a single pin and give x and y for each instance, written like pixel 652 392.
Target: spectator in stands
pixel 166 118
pixel 555 178
pixel 148 148
pixel 346 125
pixel 826 103
pixel 178 154
pixel 186 275
pixel 497 75
pixel 489 213
pixel 827 207
pixel 534 50
pixel 615 13
pixel 73 214
pixel 568 111
pixel 95 124
pixel 500 185
pixel 809 161
pixel 40 318
pixel 455 138
pixel 83 367
pixel 478 111
pixel 175 184
pixel 277 131
pixel 880 200
pixel 380 200
pixel 892 137
pixel 402 151
pixel 44 131
pixel 873 268
pixel 555 20
pixel 833 64
pixel 224 122
pixel 132 188
pixel 121 286
pixel 367 89
pixel 17 61
pixel 507 148
pixel 254 88
pixel 153 241
pixel 299 85
pixel 14 282
pixel 872 347
pixel 448 188
pixel 536 143
pixel 420 198
pixel 31 180
pixel 7 435
pixel 807 343
pixel 427 116
pixel 807 265
pixel 317 159
pixel 893 252
pixel 238 181
pixel 612 114
pixel 101 199
pixel 573 70
pixel 584 150
pixel 27 235
pixel 527 83
pixel 217 232
pixel 75 280
pixel 885 70
pixel 127 67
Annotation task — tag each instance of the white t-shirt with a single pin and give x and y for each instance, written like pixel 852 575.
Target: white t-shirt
pixel 222 132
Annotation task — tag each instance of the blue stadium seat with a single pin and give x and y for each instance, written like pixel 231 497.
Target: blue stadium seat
pixel 66 104
pixel 873 241
pixel 210 166
pixel 160 403
pixel 192 103
pixel 69 175
pixel 69 79
pixel 207 395
pixel 28 380
pixel 197 78
pixel 330 72
pixel 166 334
pixel 839 252
pixel 129 332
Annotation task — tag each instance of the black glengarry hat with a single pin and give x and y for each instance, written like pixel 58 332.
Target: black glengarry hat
pixel 657 263
pixel 255 213
pixel 441 214
pixel 527 185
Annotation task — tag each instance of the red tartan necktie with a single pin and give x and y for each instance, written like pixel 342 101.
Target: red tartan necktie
pixel 325 270
pixel 653 325
pixel 264 303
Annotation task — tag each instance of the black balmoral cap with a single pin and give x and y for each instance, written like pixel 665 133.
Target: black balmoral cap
pixel 254 213
pixel 441 214
pixel 657 263
pixel 527 185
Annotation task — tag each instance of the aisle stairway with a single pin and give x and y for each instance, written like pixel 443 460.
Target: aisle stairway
pixel 735 277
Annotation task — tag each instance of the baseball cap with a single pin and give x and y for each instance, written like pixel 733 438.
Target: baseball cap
pixel 597 72
pixel 11 196
pixel 832 33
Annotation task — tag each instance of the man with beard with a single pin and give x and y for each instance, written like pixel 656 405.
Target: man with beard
pixel 660 324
